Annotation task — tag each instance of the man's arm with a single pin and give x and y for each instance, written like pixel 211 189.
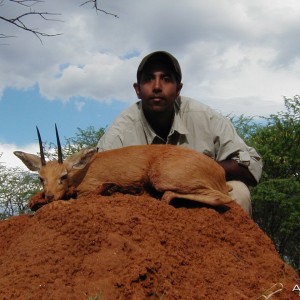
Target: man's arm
pixel 234 171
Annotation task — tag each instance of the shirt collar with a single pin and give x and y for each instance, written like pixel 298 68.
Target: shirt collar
pixel 177 126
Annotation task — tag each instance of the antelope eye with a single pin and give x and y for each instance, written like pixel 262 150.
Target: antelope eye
pixel 64 177
pixel 41 180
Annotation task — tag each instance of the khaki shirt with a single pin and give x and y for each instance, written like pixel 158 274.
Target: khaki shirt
pixel 195 126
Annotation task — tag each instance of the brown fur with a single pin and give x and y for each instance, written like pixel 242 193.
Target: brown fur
pixel 172 171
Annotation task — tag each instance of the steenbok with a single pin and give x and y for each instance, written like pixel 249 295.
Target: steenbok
pixel 167 170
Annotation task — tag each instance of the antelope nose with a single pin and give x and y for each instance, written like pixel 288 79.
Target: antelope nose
pixel 49 197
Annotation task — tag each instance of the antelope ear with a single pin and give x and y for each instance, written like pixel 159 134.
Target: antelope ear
pixel 80 159
pixel 31 161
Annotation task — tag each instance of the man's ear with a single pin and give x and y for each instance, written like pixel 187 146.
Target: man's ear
pixel 137 89
pixel 179 87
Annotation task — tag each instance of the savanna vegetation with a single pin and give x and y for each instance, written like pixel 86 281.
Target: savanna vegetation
pixel 276 199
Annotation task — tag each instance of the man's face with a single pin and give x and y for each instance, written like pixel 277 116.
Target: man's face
pixel 158 88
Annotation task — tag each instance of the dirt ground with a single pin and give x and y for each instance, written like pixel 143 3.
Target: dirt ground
pixel 135 247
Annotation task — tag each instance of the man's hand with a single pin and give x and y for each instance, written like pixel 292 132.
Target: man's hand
pixel 234 171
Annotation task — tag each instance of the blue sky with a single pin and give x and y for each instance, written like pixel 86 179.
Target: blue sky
pixel 239 57
pixel 22 111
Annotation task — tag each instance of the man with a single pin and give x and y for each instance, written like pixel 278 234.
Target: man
pixel 162 116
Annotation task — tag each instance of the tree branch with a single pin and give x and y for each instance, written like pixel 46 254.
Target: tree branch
pixel 19 21
pixel 4 36
pixel 95 6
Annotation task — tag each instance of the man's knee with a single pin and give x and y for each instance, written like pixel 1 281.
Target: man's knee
pixel 241 195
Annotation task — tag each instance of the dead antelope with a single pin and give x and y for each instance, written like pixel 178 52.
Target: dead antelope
pixel 172 171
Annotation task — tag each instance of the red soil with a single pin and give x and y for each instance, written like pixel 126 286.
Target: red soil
pixel 135 247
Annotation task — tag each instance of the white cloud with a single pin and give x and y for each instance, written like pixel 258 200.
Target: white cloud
pixel 79 105
pixel 102 77
pixel 231 52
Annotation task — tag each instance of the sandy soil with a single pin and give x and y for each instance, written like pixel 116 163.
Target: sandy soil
pixel 135 247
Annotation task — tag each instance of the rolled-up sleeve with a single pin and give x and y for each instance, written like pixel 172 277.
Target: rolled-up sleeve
pixel 252 161
pixel 230 145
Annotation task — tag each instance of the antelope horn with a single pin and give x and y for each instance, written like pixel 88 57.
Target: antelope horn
pixel 43 161
pixel 59 151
